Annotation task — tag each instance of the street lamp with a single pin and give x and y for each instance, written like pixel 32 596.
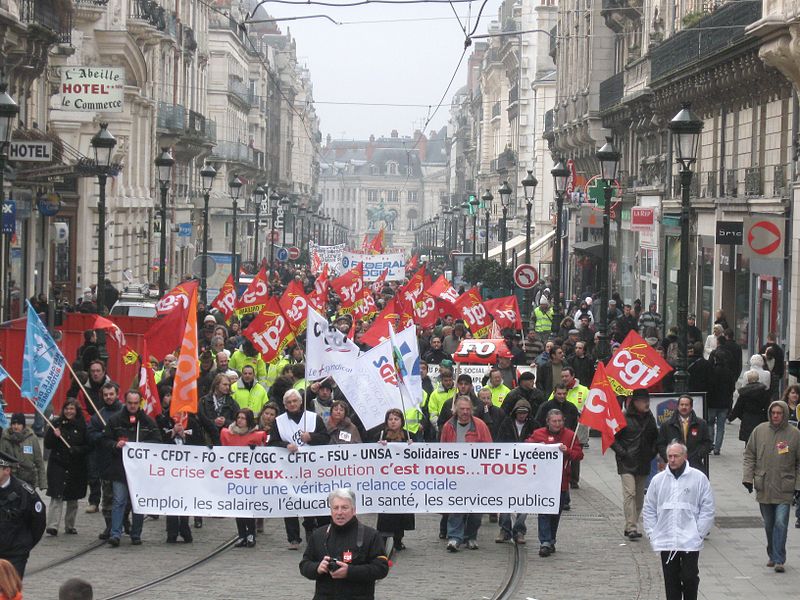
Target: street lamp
pixel 234 188
pixel 293 208
pixel 505 199
pixel 274 201
pixel 529 184
pixel 447 228
pixel 487 205
pixel 103 145
pixel 207 175
pixel 685 128
pixel 8 115
pixel 474 203
pixel 284 213
pixel 258 197
pixel 164 163
pixel 608 158
pixel 464 216
pixel 560 175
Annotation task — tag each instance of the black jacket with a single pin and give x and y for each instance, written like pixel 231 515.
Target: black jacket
pixel 207 413
pixel 492 416
pixel 120 426
pixel 751 408
pixel 535 398
pixel 701 374
pixel 698 443
pixel 319 437
pixel 368 564
pixel 67 470
pixel 635 444
pixel 569 410
pixel 584 369
pixel 22 519
pixel 507 432
pixel 723 385
pixel 435 357
pixel 194 430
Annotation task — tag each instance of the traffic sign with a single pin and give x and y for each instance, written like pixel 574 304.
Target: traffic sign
pixel 526 276
pixel 764 237
pixel 275 235
pixel 294 253
pixel 282 254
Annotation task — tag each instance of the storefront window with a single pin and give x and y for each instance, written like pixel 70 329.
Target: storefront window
pixel 741 324
pixel 705 317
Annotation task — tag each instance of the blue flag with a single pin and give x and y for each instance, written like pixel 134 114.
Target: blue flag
pixel 3 417
pixel 43 364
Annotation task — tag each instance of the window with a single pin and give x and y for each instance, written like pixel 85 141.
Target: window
pixel 392 196
pixel 372 195
pixel 412 196
pixel 391 168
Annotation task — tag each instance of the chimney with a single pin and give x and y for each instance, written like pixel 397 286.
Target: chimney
pixel 394 133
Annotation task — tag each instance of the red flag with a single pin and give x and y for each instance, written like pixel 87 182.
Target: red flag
pixel 380 327
pixel 377 286
pixel 270 331
pixel 112 328
pixel 412 264
pixel 225 302
pixel 184 390
pixel 425 312
pixel 165 335
pixel 505 311
pixel 365 244
pixel 255 296
pixel 635 365
pixel 349 286
pixel 445 308
pixel 601 410
pixel 319 297
pixel 365 307
pixel 441 288
pixel 294 305
pixel 147 387
pixel 474 313
pixel 376 246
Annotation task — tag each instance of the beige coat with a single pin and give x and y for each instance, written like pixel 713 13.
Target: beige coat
pixel 772 460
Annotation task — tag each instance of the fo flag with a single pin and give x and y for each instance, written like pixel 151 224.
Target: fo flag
pixel 3 417
pixel 601 410
pixel 270 331
pixel 635 366
pixel 225 302
pixel 42 363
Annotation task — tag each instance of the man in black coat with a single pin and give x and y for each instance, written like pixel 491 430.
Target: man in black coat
pixel 559 401
pixel 582 364
pixel 22 516
pixel 701 372
pixel 218 408
pixel 129 424
pixel 345 557
pixel 526 390
pixel 635 447
pixel 688 429
pixel 100 458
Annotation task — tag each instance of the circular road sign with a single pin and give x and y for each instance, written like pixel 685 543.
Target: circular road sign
pixel 526 276
pixel 764 237
pixel 197 266
pixel 282 254
pixel 294 253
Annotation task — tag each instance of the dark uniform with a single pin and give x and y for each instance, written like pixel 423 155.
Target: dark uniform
pixel 22 517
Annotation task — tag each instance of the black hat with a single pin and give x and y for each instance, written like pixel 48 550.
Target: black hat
pixel 6 460
pixel 527 375
pixel 641 394
pixel 18 418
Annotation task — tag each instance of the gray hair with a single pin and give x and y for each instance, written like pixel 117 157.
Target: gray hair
pixel 290 393
pixel 684 449
pixel 751 376
pixel 342 494
pixel 554 412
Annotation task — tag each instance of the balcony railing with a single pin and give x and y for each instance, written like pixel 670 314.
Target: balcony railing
pixel 234 151
pixel 753 182
pixel 241 90
pixel 150 12
pixel 210 134
pixel 710 35
pixel 779 181
pixel 496 109
pixel 171 117
pixel 189 39
pixel 44 14
pixel 513 94
pixel 612 90
pixel 731 183
pixel 196 126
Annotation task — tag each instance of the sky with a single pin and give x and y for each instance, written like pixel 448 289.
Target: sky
pixel 393 55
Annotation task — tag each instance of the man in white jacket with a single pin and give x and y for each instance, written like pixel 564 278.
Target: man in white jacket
pixel 678 514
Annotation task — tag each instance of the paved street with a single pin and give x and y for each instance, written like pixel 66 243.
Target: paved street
pixel 593 559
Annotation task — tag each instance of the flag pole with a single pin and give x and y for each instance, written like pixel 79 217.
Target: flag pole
pixel 46 420
pixel 85 393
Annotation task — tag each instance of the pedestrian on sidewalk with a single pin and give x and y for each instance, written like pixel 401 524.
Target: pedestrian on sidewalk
pixel 772 468
pixel 677 529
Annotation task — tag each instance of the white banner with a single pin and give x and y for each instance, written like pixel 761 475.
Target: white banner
pixel 92 89
pixel 476 372
pixel 319 255
pixel 375 264
pixel 234 481
pixel 329 353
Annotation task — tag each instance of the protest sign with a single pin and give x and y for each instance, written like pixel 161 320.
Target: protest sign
pixel 375 264
pixel 227 481
pixel 325 255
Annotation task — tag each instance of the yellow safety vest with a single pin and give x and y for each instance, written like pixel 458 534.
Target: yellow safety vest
pixel 544 320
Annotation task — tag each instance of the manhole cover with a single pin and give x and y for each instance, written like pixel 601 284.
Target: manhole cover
pixel 739 522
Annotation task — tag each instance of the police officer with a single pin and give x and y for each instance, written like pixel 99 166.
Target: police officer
pixel 22 516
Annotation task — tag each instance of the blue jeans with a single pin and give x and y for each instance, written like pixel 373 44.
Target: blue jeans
pixel 462 527
pixel 118 513
pixel 716 419
pixel 518 527
pixel 548 524
pixel 776 524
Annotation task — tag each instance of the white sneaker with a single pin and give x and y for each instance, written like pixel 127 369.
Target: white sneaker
pixel 472 544
pixel 452 546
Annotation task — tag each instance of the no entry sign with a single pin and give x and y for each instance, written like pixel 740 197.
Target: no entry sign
pixel 764 237
pixel 525 276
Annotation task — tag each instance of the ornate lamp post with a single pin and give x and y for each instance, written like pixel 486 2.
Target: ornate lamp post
pixel 9 110
pixel 560 175
pixel 285 212
pixel 258 197
pixel 294 207
pixel 685 128
pixel 608 158
pixel 464 217
pixel 207 175
pixel 274 201
pixel 487 206
pixel 164 163
pixel 235 188
pixel 505 199
pixel 529 184
pixel 103 145
pixel 474 203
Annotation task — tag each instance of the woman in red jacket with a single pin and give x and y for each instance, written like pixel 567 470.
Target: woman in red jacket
pixel 556 433
pixel 243 432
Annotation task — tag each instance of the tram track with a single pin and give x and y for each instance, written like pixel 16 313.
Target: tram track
pixel 515 573
pixel 57 563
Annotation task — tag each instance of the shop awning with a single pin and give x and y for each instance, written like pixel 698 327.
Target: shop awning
pixel 536 245
pixel 592 248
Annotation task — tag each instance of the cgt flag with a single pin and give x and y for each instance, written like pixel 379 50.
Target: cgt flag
pixel 184 391
pixel 635 366
pixel 254 299
pixel 270 331
pixel 474 313
pixel 294 305
pixel 505 312
pixel 601 410
pixel 225 302
pixel 43 365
